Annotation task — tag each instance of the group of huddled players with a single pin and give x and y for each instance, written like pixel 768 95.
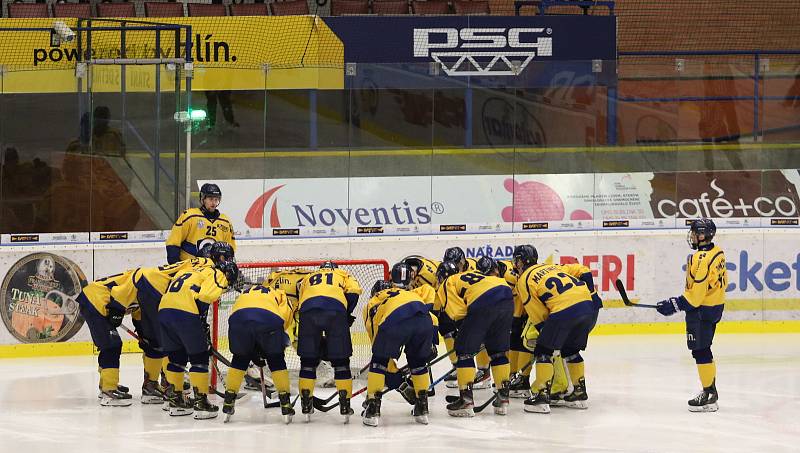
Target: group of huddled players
pixel 499 312
pixel 509 317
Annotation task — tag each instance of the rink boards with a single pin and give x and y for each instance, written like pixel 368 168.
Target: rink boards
pixel 40 282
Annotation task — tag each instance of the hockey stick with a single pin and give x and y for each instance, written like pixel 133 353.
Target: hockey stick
pixel 624 294
pixel 364 389
pixel 478 409
pixel 185 370
pixel 320 402
pixel 263 386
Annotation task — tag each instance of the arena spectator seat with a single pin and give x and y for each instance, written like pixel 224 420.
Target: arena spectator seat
pixel 249 9
pixel 291 8
pixel 161 9
pixel 124 9
pixel 344 7
pixel 430 8
pixel 80 10
pixel 206 9
pixel 471 7
pixel 20 10
pixel 390 7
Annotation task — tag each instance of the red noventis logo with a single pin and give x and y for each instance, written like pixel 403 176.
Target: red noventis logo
pixel 255 215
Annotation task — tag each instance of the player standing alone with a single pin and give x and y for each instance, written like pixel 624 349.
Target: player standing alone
pixel 703 301
pixel 197 227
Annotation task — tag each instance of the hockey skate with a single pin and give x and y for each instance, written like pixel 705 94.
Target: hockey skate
pixel 463 406
pixel 115 398
pixel 451 381
pixel 483 379
pixel 120 388
pixel 306 404
pixel 229 406
pixel 152 393
pixel 344 406
pixel 203 410
pixel 406 390
pixel 177 403
pixel 372 411
pixel 578 399
pixel 520 387
pixel 287 409
pixel 539 403
pixel 500 404
pixel 420 411
pixel 705 401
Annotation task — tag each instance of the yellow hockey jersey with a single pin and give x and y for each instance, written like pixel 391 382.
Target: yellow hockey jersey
pixel 426 275
pixel 547 289
pixel 706 279
pixel 194 290
pixel 98 292
pixel 390 306
pixel 192 230
pixel 160 277
pixel 331 289
pixel 262 303
pixel 288 281
pixel 460 292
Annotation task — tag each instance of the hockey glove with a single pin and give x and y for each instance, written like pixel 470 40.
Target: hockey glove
pixel 114 316
pixel 668 307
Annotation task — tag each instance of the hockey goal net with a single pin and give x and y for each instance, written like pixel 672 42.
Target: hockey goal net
pixel 365 271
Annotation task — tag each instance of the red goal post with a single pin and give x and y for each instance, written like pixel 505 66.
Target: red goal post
pixel 366 272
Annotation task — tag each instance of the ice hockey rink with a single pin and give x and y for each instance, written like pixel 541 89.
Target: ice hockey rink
pixel 638 386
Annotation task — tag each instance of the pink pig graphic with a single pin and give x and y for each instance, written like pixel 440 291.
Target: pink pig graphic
pixel 534 200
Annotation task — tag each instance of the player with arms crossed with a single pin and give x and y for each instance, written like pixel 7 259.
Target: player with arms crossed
pixel 562 305
pixel 197 227
pixel 257 329
pixel 328 297
pixel 397 319
pixel 483 306
pixel 184 332
pixel 703 300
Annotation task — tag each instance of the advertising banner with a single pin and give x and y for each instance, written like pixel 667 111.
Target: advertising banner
pixel 476 46
pixel 39 287
pixel 403 205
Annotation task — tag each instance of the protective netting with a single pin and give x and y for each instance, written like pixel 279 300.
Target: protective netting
pixel 366 272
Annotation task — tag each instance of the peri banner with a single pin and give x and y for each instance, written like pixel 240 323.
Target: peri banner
pixel 476 46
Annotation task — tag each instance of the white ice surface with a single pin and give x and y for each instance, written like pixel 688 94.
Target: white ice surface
pixel 638 387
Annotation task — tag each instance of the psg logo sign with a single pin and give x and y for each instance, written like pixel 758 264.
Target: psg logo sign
pixel 37 302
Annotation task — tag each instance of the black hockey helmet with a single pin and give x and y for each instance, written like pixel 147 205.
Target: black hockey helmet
pixel 704 227
pixel 221 252
pixel 487 266
pixel 415 261
pixel 456 255
pixel 209 190
pixel 401 275
pixel 524 256
pixel 379 286
pixel 446 269
pixel 328 265
pixel 231 271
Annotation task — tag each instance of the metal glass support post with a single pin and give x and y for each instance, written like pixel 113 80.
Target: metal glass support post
pixel 756 76
pixel 188 68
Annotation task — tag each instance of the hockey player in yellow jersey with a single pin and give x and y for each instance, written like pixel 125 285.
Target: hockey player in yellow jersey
pixel 328 297
pixel 257 328
pixel 197 227
pixel 184 332
pixel 483 306
pixel 562 305
pixel 103 315
pixel 423 271
pixel 149 285
pixel 483 376
pixel 397 319
pixel 703 300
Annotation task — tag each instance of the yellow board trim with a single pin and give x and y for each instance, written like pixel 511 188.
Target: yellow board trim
pixel 269 154
pixel 725 327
